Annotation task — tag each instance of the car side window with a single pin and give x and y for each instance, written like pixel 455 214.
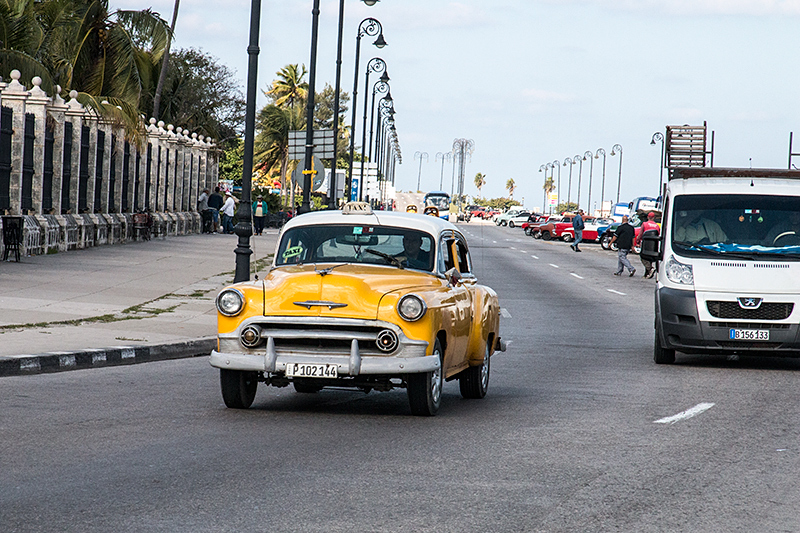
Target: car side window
pixel 462 254
pixel 446 259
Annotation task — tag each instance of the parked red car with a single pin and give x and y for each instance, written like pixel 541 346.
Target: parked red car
pixel 532 221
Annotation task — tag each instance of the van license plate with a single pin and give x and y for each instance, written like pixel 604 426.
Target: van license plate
pixel 750 334
pixel 301 370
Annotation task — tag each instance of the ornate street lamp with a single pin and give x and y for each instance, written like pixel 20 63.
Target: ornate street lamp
pixel 312 74
pixel 442 156
pixel 421 156
pixel 243 228
pixel 614 149
pixel 578 159
pixel 557 165
pixel 570 162
pixel 337 90
pixel 589 154
pixel 658 136
pixel 371 27
pixel 376 64
pixel 544 168
pixel 603 183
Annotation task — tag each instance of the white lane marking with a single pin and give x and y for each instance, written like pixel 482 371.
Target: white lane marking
pixel 504 313
pixel 513 248
pixel 554 266
pixel 523 251
pixel 616 292
pixel 689 413
pixel 574 274
pixel 535 256
pixel 494 242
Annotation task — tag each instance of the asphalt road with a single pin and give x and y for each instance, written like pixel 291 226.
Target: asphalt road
pixel 574 434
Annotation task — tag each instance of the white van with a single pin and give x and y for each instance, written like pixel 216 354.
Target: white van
pixel 728 263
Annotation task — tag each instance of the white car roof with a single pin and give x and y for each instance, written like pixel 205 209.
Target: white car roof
pixel 427 223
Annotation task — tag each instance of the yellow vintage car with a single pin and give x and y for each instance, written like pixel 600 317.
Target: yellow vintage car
pixel 369 300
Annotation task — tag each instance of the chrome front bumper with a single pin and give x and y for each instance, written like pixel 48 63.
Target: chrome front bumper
pixel 352 365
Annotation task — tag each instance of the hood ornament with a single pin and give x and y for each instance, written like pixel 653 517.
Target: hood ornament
pixel 308 304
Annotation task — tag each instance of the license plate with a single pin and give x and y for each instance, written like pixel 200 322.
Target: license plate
pixel 749 334
pixel 303 370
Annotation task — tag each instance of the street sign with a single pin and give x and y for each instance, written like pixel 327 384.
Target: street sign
pixel 317 179
pixel 553 199
pixel 323 144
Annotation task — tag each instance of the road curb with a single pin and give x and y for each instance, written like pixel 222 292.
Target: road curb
pixel 49 362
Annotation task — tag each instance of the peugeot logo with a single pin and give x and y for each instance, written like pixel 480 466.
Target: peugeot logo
pixel 749 303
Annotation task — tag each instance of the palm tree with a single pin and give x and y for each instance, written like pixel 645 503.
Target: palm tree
pixel 480 181
pixel 510 186
pixel 289 87
pixel 165 63
pixel 107 57
pixel 272 142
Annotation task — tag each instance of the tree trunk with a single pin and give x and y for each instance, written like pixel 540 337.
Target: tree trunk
pixel 165 63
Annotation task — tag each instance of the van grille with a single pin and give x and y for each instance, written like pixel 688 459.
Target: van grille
pixel 766 311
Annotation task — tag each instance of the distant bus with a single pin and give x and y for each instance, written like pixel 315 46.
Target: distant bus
pixel 440 200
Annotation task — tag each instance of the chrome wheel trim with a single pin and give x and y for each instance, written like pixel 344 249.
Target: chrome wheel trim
pixel 436 382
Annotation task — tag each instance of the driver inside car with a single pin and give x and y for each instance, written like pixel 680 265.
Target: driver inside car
pixel 785 232
pixel 413 256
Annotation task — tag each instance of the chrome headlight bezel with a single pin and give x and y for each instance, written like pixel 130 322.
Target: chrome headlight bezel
pixel 678 272
pixel 411 307
pixel 227 306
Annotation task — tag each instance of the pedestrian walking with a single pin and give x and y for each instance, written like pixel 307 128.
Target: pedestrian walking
pixel 577 227
pixel 624 239
pixel 650 227
pixel 205 211
pixel 228 210
pixel 260 212
pixel 215 202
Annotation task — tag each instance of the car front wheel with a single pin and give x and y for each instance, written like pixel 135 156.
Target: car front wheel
pixel 546 236
pixel 510 223
pixel 425 390
pixel 567 237
pixel 238 388
pixel 474 381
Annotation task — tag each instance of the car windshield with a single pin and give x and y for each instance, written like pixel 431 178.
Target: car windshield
pixel 440 202
pixel 349 243
pixel 743 226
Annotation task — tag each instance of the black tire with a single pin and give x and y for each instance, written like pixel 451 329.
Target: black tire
pixel 604 242
pixel 306 387
pixel 510 223
pixel 474 381
pixel 238 388
pixel 546 236
pixel 528 232
pixel 496 222
pixel 536 234
pixel 662 355
pixel 567 237
pixel 425 390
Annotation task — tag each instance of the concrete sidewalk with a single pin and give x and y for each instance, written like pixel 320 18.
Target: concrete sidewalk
pixel 117 304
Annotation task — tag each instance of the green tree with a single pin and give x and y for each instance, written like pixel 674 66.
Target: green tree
pixel 272 140
pixel 231 161
pixel 107 56
pixel 510 187
pixel 289 88
pixel 566 207
pixel 480 181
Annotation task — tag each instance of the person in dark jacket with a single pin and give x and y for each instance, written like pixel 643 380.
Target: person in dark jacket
pixel 624 239
pixel 577 227
pixel 215 202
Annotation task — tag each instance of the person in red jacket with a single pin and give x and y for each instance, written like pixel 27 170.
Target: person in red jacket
pixel 648 225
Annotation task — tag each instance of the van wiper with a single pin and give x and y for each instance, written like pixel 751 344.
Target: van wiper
pixel 390 258
pixel 691 246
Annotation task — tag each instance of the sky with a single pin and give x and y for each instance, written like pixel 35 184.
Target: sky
pixel 535 81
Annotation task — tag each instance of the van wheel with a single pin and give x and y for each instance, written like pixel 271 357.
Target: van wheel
pixel 662 355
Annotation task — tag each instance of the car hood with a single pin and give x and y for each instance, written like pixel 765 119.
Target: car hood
pixel 337 290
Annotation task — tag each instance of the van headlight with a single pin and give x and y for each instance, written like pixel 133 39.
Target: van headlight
pixel 230 302
pixel 677 272
pixel 411 307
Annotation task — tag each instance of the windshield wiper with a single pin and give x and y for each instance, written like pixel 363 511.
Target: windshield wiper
pixel 699 247
pixel 390 258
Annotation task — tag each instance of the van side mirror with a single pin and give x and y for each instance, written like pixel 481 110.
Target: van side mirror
pixel 651 246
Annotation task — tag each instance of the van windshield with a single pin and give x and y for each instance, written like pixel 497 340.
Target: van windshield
pixel 744 226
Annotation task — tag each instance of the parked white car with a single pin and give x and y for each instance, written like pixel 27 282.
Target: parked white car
pixel 519 219
pixel 503 218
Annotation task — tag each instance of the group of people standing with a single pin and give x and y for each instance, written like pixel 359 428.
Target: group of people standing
pixel 625 237
pixel 212 205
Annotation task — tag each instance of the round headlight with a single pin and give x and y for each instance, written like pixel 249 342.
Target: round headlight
pixel 230 302
pixel 411 307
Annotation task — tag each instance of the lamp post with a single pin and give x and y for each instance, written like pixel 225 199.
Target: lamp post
pixel 603 182
pixel 380 87
pixel 337 90
pixel 614 149
pixel 658 136
pixel 371 27
pixel 243 228
pixel 543 168
pixel 579 160
pixel 570 162
pixel 557 165
pixel 376 64
pixel 442 156
pixel 589 154
pixel 421 156
pixel 308 174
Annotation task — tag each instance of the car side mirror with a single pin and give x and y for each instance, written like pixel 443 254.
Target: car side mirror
pixel 453 276
pixel 651 246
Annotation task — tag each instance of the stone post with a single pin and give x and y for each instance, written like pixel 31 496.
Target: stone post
pixel 74 115
pixel 90 119
pixel 37 106
pixel 172 146
pixel 105 191
pixel 14 97
pixel 56 114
